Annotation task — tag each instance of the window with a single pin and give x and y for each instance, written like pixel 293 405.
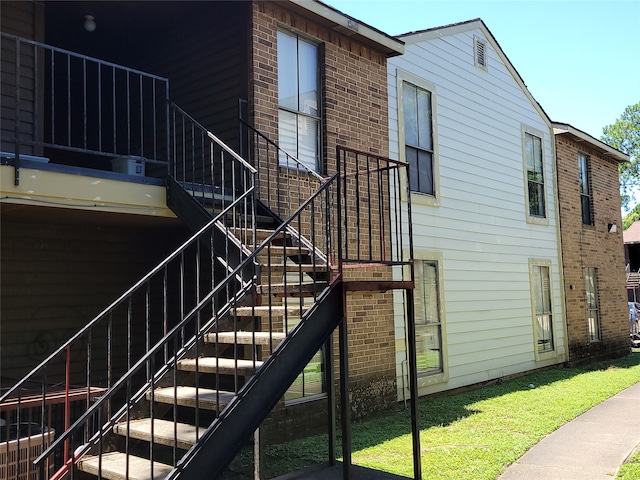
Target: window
pixel 540 275
pixel 311 383
pixel 298 100
pixel 585 189
pixel 593 315
pixel 480 53
pixel 418 137
pixel 535 175
pixel 427 318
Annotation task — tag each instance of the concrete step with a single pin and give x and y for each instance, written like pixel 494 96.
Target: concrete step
pixel 183 435
pixel 261 234
pixel 305 289
pixel 231 218
pixel 281 250
pixel 224 366
pixel 246 338
pixel 186 397
pixel 114 467
pixel 294 267
pixel 274 311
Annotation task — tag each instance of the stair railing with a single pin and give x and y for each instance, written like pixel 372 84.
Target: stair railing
pixel 360 232
pixel 212 314
pixel 375 229
pixel 285 182
pixel 288 293
pixel 204 166
pixel 65 101
pixel 71 381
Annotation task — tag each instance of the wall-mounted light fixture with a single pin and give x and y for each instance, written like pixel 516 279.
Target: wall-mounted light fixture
pixel 89 23
pixel 613 228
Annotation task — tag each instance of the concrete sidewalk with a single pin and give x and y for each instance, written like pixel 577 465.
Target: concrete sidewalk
pixel 591 447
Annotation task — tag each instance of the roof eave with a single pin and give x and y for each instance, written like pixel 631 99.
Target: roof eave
pixel 435 32
pixel 352 27
pixel 580 136
pixel 469 25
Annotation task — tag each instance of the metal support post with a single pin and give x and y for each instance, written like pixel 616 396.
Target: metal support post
pixel 413 383
pixel 345 405
pixel 329 376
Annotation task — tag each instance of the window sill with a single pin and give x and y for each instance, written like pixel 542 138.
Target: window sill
pixel 544 221
pixel 427 380
pixel 543 356
pixel 299 169
pixel 303 400
pixel 424 199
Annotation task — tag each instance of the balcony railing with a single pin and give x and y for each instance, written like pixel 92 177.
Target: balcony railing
pixel 94 111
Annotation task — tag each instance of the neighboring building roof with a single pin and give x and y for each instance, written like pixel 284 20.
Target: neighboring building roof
pixel 632 234
pixel 468 25
pixel 579 136
pixel 352 27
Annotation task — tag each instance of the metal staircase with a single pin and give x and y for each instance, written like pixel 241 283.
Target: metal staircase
pixel 217 387
pixel 173 378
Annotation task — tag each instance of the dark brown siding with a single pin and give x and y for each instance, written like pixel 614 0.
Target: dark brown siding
pixel 56 276
pixel 201 47
pixel 22 19
pixel 206 65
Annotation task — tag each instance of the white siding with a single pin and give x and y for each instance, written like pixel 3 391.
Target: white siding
pixel 479 224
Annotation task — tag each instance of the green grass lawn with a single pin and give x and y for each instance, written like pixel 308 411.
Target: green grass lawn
pixel 474 434
pixel 631 469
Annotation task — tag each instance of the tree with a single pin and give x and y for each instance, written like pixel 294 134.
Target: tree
pixel 624 135
pixel 631 217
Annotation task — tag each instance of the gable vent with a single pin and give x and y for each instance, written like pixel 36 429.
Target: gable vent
pixel 480 53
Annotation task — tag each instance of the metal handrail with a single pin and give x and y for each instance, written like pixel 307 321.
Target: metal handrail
pixel 299 164
pixel 120 300
pixel 222 145
pixel 381 230
pixel 177 329
pixel 94 106
pixel 81 56
pixel 285 181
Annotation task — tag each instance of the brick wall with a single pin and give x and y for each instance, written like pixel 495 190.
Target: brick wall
pixel 353 78
pixel 592 246
pixel 354 113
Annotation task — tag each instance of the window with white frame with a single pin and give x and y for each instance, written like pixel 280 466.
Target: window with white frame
pixel 298 100
pixel 535 175
pixel 585 189
pixel 593 314
pixel 428 322
pixel 541 289
pixel 418 137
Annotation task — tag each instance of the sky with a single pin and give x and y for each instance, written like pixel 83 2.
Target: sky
pixel 580 59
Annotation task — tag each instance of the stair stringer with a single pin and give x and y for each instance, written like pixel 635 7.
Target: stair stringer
pixel 226 436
